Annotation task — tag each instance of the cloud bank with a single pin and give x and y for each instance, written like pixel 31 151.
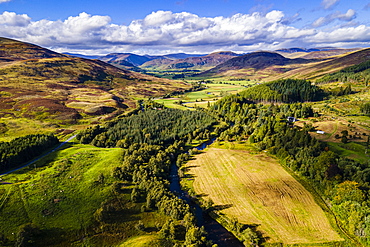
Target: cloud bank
pixel 164 31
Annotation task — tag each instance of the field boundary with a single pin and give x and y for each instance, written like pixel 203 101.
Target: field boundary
pixel 321 202
pixel 337 235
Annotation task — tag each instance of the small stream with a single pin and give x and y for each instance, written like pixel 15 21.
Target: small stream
pixel 216 232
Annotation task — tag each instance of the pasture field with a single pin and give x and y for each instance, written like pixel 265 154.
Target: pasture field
pixel 149 240
pixel 212 93
pixel 62 193
pixel 17 127
pixel 171 103
pixel 256 190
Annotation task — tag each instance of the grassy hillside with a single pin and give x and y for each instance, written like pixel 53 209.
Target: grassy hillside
pixel 53 91
pixel 11 50
pixel 62 194
pixel 256 190
pixel 319 69
pixel 316 54
pixel 267 66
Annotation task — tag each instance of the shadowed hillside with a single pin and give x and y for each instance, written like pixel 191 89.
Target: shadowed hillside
pixel 255 61
pixel 318 69
pixel 269 66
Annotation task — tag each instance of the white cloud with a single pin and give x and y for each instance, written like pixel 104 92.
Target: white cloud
pixel 165 31
pixel 4 1
pixel 343 35
pixel 322 21
pixel 12 19
pixel 328 4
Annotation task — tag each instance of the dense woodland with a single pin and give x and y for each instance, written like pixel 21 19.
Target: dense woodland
pixel 287 91
pixel 158 127
pixel 345 183
pixel 147 165
pixel 23 149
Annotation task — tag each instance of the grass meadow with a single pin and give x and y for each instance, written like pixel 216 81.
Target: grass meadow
pixel 212 93
pixel 62 192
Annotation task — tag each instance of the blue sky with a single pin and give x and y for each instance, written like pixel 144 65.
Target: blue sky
pixel 192 26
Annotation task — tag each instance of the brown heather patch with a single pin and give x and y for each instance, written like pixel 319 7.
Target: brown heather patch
pixel 6 104
pixel 58 86
pixel 54 108
pixel 144 92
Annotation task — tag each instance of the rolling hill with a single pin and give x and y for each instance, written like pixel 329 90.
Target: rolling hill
pixel 314 53
pixel 252 62
pixel 318 69
pixel 11 51
pixel 40 84
pixel 270 66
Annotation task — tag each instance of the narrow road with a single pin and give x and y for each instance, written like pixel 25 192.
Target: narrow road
pixel 40 157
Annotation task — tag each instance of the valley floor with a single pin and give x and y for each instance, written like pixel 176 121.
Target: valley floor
pixel 256 190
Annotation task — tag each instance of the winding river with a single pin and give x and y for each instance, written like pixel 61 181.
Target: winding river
pixel 216 232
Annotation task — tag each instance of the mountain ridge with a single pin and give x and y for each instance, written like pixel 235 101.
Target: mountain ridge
pixel 255 60
pixel 196 62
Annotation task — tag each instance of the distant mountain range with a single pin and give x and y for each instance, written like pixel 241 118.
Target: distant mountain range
pixel 297 49
pixel 205 62
pixel 255 60
pixel 138 60
pixel 196 62
pixel 176 61
pixel 269 66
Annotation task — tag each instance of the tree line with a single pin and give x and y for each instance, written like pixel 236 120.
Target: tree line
pixel 356 73
pixel 344 183
pixel 153 140
pixel 22 149
pixel 287 91
pixel 156 127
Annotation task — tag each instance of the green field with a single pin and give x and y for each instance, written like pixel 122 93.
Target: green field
pixel 143 241
pixel 212 92
pixel 62 193
pixel 256 190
